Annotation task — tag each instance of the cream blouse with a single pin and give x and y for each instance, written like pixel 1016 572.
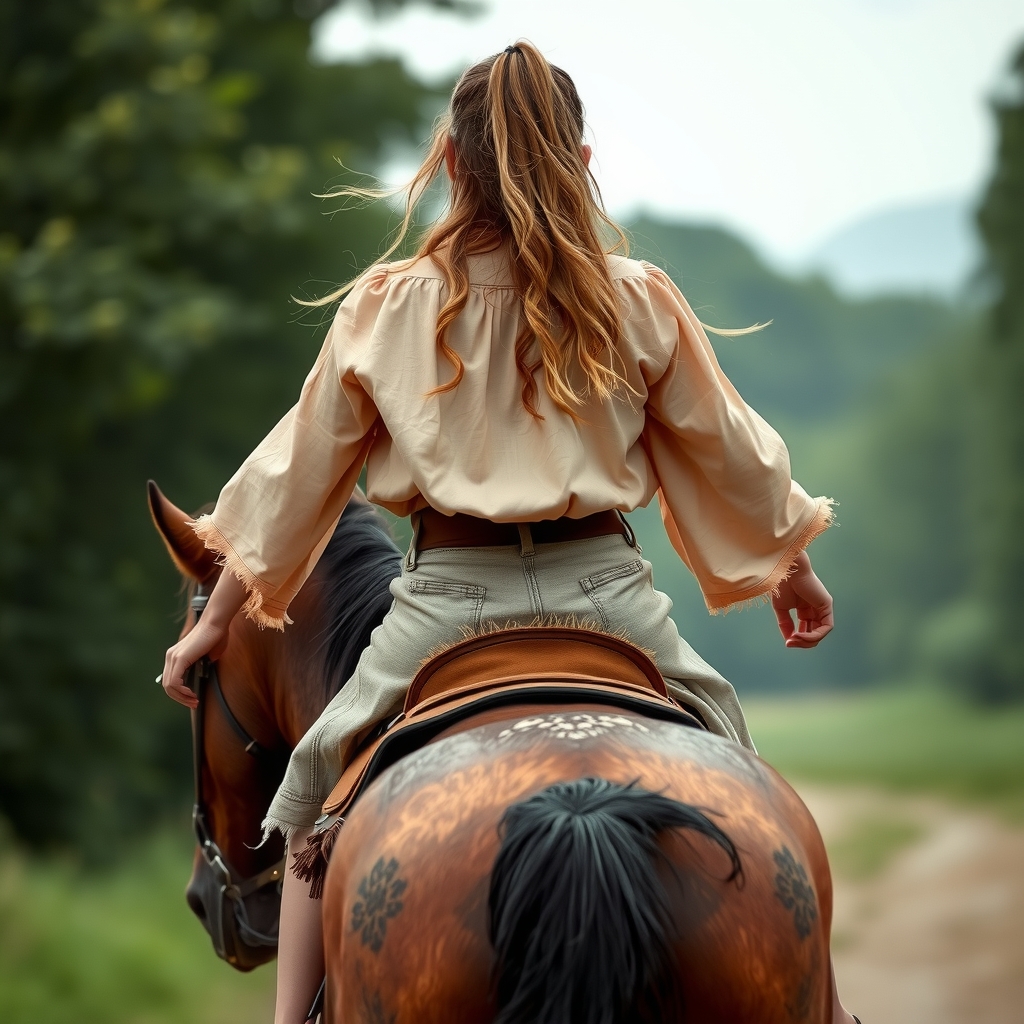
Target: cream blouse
pixel 722 474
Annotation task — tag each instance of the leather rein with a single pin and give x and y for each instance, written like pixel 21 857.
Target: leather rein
pixel 202 678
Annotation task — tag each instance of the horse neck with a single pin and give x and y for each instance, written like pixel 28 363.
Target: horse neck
pixel 291 683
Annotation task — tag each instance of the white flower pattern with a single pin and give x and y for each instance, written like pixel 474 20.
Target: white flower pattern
pixel 579 726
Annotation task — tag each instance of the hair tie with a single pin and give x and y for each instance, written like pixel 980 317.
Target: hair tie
pixel 513 49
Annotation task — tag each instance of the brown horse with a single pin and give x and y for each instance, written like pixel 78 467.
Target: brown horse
pixel 537 864
pixel 554 865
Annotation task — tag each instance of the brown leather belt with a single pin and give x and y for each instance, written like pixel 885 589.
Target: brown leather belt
pixel 437 530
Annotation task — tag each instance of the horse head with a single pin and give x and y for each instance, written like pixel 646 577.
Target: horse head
pixel 256 702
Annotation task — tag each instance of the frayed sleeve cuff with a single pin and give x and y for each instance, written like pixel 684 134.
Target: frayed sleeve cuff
pixel 260 606
pixel 763 591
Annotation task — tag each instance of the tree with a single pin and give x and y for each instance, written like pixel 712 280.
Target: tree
pixel 998 671
pixel 157 160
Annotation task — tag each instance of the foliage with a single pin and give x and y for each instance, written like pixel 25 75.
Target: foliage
pixel 156 169
pixel 115 948
pixel 998 670
pixel 903 557
pixel 943 456
pixel 907 411
pixel 910 414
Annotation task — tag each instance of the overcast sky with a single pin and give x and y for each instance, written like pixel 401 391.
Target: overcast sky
pixel 784 119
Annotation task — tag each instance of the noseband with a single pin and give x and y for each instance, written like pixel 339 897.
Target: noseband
pixel 234 937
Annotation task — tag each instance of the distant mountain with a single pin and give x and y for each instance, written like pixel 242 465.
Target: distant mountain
pixel 928 248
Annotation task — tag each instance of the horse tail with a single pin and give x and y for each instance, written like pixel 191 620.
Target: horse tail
pixel 579 919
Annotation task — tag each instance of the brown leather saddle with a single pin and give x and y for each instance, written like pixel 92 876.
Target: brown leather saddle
pixel 501 675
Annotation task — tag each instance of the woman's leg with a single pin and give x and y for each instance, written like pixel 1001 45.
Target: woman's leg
pixel 426 613
pixel 300 951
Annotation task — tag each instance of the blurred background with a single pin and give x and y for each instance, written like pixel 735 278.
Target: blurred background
pixel 852 170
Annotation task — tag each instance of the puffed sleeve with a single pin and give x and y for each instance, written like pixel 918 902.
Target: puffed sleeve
pixel 730 506
pixel 275 516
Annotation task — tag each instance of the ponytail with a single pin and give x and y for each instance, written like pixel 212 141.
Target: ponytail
pixel 552 207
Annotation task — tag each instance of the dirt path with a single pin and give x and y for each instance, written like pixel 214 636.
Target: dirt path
pixel 929 912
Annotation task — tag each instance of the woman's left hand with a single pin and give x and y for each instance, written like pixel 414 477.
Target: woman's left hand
pixel 802 592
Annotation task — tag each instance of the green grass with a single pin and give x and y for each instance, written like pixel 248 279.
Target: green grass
pixel 868 847
pixel 122 947
pixel 916 740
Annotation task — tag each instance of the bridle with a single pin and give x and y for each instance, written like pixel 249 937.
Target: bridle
pixel 235 938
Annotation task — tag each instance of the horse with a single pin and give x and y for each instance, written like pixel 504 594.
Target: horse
pixel 259 699
pixel 557 864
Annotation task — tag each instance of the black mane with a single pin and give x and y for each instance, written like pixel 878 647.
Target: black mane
pixel 356 570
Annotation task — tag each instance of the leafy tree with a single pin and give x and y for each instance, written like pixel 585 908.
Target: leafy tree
pixel 998 670
pixel 956 468
pixel 157 165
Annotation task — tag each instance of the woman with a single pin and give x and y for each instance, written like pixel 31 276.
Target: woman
pixel 514 388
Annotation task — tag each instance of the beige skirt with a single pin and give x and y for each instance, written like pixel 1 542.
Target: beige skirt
pixel 446 593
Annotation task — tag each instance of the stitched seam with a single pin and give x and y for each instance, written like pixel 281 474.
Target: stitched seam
pixel 299 799
pixel 529 571
pixel 599 579
pixel 591 592
pixel 314 754
pixel 472 284
pixel 428 586
pixel 317 741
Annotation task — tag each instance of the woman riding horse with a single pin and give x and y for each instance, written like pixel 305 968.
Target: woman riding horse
pixel 514 387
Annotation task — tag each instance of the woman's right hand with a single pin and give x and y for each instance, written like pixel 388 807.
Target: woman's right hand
pixel 209 636
pixel 802 592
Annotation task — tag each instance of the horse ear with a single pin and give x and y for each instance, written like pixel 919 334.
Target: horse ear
pixel 187 551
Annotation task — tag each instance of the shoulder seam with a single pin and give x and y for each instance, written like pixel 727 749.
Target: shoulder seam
pixel 416 277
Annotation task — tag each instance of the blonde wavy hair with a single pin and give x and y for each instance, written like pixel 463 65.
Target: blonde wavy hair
pixel 521 179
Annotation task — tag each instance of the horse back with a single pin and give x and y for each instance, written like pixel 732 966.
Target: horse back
pixel 406 897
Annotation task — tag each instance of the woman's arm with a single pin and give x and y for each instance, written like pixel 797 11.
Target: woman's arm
pixel 731 507
pixel 208 636
pixel 277 513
